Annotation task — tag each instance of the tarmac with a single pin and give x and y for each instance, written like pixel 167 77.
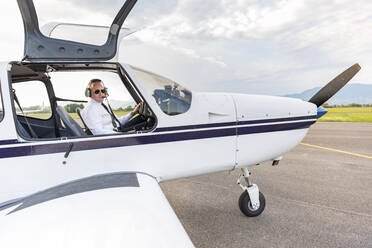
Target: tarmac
pixel 318 196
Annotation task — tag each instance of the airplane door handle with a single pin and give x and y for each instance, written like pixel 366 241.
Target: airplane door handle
pixel 69 150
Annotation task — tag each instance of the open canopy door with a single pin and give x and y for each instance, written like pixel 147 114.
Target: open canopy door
pixel 82 33
pixel 39 47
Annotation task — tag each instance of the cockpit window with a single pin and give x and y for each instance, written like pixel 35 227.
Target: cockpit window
pixel 172 98
pixel 32 99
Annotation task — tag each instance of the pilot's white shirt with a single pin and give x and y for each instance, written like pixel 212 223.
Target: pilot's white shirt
pixel 99 120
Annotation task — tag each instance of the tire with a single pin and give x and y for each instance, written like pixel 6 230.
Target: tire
pixel 245 205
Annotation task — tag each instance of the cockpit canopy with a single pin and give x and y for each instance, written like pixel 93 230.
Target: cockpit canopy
pixel 39 47
pixel 172 98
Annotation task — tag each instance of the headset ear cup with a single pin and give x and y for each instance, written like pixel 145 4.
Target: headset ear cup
pixel 88 92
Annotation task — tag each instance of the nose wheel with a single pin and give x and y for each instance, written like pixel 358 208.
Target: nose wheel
pixel 251 201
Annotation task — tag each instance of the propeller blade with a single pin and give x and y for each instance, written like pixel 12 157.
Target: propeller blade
pixel 335 85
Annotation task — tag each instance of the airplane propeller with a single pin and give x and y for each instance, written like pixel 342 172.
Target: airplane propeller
pixel 335 85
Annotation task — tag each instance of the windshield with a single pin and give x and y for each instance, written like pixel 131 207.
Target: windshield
pixel 172 98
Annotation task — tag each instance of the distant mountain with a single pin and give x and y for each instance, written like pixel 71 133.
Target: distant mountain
pixel 351 93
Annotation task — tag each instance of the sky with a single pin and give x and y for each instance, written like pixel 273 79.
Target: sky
pixel 248 46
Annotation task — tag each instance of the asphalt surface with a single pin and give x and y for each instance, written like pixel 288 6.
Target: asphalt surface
pixel 314 197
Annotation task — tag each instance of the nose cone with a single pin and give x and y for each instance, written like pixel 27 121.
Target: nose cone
pixel 321 111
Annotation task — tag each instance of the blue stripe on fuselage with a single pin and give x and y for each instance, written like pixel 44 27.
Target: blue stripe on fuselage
pixel 8 142
pixel 225 124
pixel 158 137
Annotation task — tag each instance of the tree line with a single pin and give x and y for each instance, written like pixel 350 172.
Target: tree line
pixel 326 105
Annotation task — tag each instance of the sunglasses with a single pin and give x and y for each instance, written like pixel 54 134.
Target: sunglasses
pixel 97 91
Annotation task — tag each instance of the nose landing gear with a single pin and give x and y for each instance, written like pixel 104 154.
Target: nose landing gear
pixel 251 201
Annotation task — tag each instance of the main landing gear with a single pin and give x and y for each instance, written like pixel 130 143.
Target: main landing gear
pixel 251 201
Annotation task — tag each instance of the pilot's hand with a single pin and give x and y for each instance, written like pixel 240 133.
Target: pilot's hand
pixel 136 109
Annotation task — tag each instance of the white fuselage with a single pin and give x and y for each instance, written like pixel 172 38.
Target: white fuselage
pixel 220 131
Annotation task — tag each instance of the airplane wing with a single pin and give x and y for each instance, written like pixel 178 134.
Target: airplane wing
pixel 110 210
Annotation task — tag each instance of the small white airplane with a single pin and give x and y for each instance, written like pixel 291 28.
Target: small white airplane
pixel 60 187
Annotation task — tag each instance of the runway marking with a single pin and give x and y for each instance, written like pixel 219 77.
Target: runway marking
pixel 336 150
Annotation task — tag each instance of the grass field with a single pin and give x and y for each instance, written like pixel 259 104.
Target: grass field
pixel 348 114
pixel 349 109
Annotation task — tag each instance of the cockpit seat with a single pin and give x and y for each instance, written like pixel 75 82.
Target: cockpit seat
pixel 22 131
pixel 70 124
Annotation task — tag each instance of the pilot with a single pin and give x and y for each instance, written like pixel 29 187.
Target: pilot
pixel 97 115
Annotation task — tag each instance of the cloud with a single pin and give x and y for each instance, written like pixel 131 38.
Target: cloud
pixel 338 33
pixel 242 20
pixel 11 33
pixel 226 19
pixel 267 39
pixel 71 11
pixel 156 38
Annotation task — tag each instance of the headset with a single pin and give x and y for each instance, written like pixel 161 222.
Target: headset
pixel 88 90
